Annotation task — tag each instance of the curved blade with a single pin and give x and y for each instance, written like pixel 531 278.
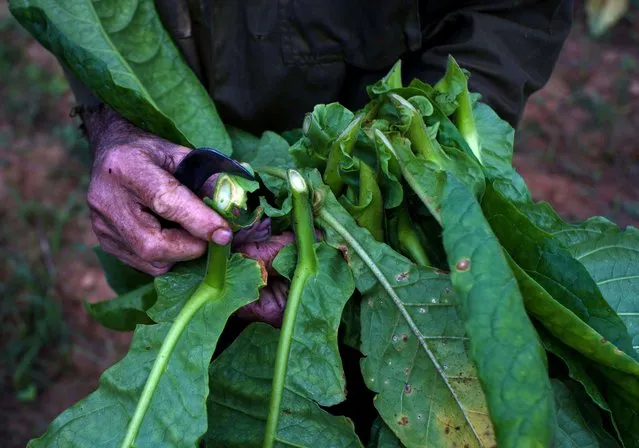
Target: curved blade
pixel 202 163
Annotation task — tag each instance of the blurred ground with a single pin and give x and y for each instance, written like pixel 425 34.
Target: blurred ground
pixel 578 148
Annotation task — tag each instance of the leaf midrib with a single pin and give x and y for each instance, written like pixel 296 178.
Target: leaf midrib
pixel 366 258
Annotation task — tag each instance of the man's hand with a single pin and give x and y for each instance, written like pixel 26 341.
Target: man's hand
pixel 131 184
pixel 272 302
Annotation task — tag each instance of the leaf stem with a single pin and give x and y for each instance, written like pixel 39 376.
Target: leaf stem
pixel 208 290
pixel 313 131
pixel 408 238
pixel 416 131
pixel 343 145
pixel 307 266
pixel 405 160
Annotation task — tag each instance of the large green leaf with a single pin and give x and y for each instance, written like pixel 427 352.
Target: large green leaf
pixel 576 367
pixel 622 393
pixel 315 367
pixel 413 340
pixel 121 52
pixel 101 419
pixel 124 312
pixel 121 277
pixel 610 254
pixel 568 327
pixel 547 262
pixel 240 380
pixel 510 361
pixel 578 424
pixel 612 259
pixel 270 150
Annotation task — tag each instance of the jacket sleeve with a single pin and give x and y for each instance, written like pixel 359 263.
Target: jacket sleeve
pixel 510 47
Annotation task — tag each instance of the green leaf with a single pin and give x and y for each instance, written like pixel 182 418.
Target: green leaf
pixel 568 327
pixel 495 137
pixel 124 312
pixel 322 126
pixel 240 382
pixel 413 341
pixel 425 177
pixel 392 80
pixel 123 54
pixel 578 423
pixel 612 259
pixel 382 436
pixel 576 367
pixel 174 289
pixel 578 371
pixel 510 361
pixel 121 277
pixel 101 419
pixel 622 393
pixel 547 262
pixel 315 367
pixel 350 327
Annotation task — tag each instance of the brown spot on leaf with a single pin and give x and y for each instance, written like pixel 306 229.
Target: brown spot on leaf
pixel 463 264
pixel 446 429
pixel 408 389
pixel 404 337
pixel 604 340
pixel 345 253
pixel 403 421
pixel 457 428
pixel 401 276
pixel 287 411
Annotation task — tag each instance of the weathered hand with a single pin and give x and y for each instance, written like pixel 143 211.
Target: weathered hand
pixel 131 178
pixel 257 244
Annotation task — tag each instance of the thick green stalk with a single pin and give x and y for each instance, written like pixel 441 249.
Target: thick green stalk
pixel 343 144
pixel 421 143
pixel 427 199
pixel 307 266
pixel 314 132
pixel 208 290
pixel 465 122
pixel 372 217
pixel 408 238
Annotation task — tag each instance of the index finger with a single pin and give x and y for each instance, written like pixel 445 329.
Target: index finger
pixel 168 198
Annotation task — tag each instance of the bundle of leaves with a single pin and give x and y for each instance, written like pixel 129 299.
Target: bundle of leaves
pixel 441 307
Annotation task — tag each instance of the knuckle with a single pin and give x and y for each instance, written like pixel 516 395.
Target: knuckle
pixel 95 199
pixel 167 201
pixel 148 250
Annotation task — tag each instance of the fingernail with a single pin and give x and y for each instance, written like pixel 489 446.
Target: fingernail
pixel 222 236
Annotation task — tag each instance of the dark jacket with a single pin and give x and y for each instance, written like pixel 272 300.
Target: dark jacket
pixel 267 62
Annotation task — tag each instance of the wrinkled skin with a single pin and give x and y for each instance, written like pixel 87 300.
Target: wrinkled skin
pixel 132 183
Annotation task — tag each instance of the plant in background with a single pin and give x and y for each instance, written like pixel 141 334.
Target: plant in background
pixel 481 318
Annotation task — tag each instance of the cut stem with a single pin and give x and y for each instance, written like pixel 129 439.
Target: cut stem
pixel 314 132
pixel 307 266
pixel 409 239
pixel 406 159
pixel 421 143
pixel 210 288
pixel 343 144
